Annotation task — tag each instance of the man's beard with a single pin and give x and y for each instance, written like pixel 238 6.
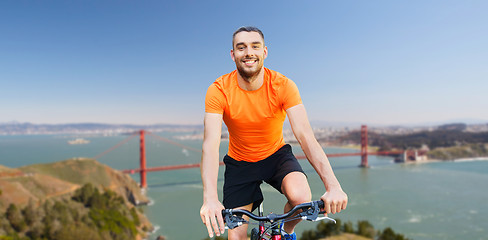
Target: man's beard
pixel 248 74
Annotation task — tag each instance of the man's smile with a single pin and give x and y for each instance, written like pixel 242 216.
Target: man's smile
pixel 250 62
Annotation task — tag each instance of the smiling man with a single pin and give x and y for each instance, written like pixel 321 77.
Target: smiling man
pixel 254 101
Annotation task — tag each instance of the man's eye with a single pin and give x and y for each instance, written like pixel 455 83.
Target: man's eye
pixel 256 47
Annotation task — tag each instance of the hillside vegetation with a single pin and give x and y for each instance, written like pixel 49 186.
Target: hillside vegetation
pixel 337 231
pixel 72 199
pixel 346 231
pixel 474 150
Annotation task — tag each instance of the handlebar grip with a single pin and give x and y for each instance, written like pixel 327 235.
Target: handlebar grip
pixel 320 203
pixel 321 206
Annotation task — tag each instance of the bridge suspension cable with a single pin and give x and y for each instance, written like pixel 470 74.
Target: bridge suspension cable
pixel 115 146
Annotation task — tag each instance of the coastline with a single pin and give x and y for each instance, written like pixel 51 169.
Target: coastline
pixel 470 159
pixel 474 159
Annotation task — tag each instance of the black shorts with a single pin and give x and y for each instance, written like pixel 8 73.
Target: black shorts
pixel 242 179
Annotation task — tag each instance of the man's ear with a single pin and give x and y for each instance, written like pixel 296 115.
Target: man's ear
pixel 232 55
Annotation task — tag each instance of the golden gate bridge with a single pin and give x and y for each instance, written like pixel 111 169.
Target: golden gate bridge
pixel 143 170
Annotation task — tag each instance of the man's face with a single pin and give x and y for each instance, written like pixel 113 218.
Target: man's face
pixel 248 53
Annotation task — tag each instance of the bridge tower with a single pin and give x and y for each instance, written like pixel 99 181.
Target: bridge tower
pixel 142 159
pixel 364 146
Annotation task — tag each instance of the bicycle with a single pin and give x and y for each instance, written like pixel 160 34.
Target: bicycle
pixel 270 225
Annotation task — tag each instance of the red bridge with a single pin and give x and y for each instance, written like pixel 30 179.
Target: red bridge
pixel 143 170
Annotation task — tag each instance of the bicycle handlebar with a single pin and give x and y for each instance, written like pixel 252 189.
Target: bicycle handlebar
pixel 311 210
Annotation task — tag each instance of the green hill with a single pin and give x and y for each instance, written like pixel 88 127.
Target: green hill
pixel 71 199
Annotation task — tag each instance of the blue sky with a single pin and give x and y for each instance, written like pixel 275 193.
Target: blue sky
pixel 145 62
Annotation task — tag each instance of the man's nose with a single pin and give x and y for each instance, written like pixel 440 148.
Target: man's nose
pixel 249 52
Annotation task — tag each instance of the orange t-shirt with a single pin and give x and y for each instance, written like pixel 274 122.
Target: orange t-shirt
pixel 254 118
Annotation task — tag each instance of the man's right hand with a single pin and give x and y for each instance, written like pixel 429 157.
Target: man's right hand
pixel 211 214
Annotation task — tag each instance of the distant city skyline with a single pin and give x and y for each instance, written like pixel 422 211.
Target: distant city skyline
pixel 370 62
pixel 321 130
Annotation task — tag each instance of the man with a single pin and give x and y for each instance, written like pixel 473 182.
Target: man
pixel 253 101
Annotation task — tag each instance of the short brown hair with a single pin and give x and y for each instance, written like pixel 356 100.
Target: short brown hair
pixel 246 29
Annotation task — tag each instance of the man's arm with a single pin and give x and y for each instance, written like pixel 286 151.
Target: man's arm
pixel 211 211
pixel 335 198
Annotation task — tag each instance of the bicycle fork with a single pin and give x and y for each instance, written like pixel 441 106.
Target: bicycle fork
pixel 276 233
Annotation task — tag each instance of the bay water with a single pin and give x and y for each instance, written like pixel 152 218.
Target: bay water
pixel 434 200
